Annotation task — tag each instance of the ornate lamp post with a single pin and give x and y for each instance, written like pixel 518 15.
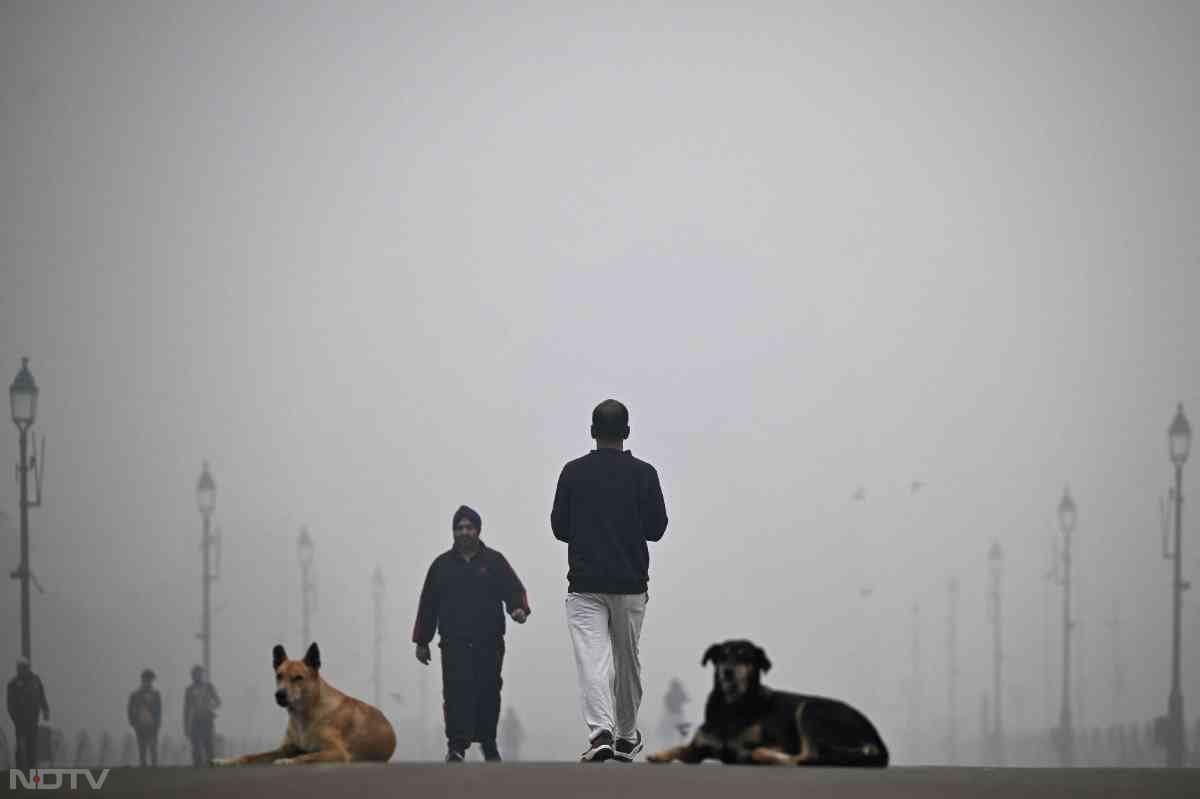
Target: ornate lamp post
pixel 1066 522
pixel 308 589
pixel 206 502
pixel 1179 438
pixel 22 397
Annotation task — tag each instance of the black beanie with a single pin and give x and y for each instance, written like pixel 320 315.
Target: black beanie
pixel 464 512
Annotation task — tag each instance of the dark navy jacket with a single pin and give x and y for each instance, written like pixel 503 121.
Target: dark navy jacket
pixel 607 506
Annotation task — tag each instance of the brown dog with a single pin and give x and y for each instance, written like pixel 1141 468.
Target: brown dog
pixel 324 725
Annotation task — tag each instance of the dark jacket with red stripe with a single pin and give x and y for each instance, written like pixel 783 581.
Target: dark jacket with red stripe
pixel 462 600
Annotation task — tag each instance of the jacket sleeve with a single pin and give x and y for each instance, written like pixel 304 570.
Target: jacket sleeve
pixel 654 523
pixel 12 700
pixel 42 706
pixel 129 708
pixel 560 515
pixel 157 709
pixel 514 591
pixel 427 609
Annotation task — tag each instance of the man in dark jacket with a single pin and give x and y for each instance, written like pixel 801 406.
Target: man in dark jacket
pixel 145 716
pixel 607 506
pixel 26 699
pixel 463 598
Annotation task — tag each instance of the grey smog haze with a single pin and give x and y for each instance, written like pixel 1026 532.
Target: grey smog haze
pixel 373 261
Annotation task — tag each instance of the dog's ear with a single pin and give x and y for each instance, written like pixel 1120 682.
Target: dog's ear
pixel 312 658
pixel 713 653
pixel 761 660
pixel 278 655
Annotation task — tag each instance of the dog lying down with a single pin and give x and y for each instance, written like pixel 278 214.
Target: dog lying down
pixel 324 725
pixel 747 722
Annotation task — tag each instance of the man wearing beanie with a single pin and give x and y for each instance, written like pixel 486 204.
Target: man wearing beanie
pixel 465 593
pixel 607 506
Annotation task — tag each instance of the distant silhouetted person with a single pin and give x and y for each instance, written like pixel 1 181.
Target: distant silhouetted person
pixel 104 756
pixel 512 735
pixel 466 591
pixel 608 504
pixel 128 745
pixel 83 750
pixel 26 700
pixel 145 716
pixel 200 703
pixel 674 727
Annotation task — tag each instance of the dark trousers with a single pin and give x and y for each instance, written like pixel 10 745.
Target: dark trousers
pixel 471 685
pixel 202 741
pixel 147 741
pixel 26 745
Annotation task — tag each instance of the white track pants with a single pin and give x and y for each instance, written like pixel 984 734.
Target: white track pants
pixel 605 629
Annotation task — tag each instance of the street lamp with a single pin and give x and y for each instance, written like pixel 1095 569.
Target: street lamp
pixel 206 502
pixel 308 589
pixel 1066 522
pixel 1179 440
pixel 206 492
pixel 22 398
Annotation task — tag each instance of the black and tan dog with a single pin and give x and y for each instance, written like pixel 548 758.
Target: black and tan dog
pixel 324 725
pixel 747 722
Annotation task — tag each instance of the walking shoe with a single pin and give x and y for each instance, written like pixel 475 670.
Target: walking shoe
pixel 455 756
pixel 490 753
pixel 601 749
pixel 627 750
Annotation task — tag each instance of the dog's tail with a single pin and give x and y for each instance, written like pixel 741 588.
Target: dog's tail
pixel 869 755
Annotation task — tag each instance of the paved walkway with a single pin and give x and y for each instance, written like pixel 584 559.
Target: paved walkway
pixel 617 781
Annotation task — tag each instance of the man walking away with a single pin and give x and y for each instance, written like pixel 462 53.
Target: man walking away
pixel 200 703
pixel 463 598
pixel 145 716
pixel 608 504
pixel 26 699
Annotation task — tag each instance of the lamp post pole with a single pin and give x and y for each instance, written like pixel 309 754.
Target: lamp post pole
pixel 23 394
pixel 304 547
pixel 995 564
pixel 1179 437
pixel 206 495
pixel 952 669
pixel 377 673
pixel 1066 518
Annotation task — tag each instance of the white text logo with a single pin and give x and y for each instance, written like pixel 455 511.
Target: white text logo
pixel 51 779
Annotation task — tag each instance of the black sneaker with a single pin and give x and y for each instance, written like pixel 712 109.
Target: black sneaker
pixel 455 756
pixel 490 753
pixel 601 749
pixel 627 750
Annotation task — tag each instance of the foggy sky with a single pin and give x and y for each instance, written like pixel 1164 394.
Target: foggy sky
pixel 374 261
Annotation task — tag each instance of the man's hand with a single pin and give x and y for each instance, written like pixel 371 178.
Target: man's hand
pixel 423 654
pixel 519 615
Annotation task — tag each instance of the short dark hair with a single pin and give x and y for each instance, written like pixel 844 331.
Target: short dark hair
pixel 610 421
